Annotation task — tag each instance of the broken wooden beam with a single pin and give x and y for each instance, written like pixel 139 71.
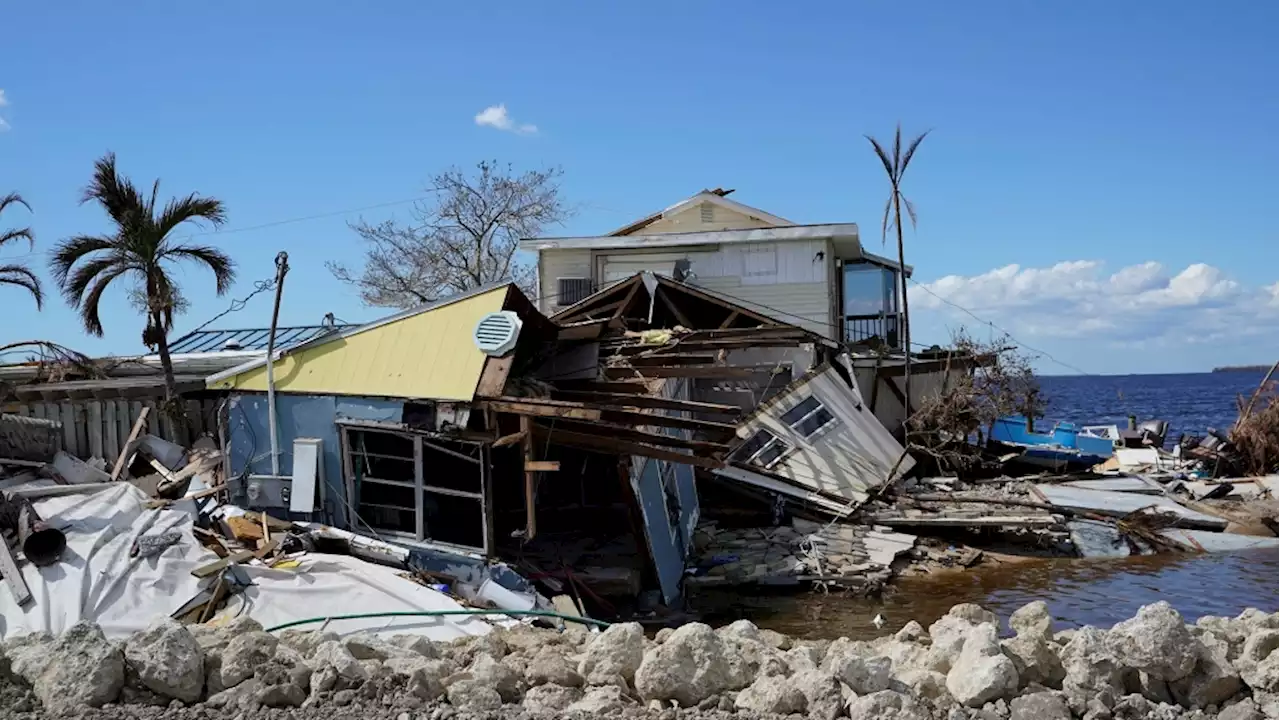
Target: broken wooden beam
pixel 126 452
pixel 542 408
pixel 542 466
pixel 632 402
pixel 12 575
pixel 690 371
pixel 234 559
pixel 511 439
pixel 613 445
pixel 530 514
pixel 651 438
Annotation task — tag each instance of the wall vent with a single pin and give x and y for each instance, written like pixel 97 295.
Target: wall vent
pixel 708 212
pixel 496 333
pixel 573 290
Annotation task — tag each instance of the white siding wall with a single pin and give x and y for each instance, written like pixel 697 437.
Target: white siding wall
pixel 555 264
pixel 691 220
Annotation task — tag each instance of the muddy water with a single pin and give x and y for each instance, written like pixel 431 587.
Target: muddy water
pixel 1079 592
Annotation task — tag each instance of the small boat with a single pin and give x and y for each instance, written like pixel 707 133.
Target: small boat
pixel 1066 447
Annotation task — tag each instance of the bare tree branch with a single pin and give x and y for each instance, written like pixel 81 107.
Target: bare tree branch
pixel 467 236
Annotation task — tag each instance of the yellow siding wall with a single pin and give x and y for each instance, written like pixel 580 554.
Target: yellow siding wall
pixel 690 220
pixel 430 355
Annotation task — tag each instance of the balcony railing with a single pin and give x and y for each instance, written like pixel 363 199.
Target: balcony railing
pixel 864 328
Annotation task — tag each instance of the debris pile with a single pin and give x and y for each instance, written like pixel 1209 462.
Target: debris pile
pixel 1152 665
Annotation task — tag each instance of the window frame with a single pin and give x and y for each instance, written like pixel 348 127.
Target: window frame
pixel 817 432
pixel 774 439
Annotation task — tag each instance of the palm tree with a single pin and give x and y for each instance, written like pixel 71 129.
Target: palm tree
pixel 17 273
pixel 140 248
pixel 896 166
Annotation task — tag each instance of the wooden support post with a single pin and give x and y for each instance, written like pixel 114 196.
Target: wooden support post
pixel 530 514
pixel 680 316
pixel 12 576
pixel 729 320
pixel 127 450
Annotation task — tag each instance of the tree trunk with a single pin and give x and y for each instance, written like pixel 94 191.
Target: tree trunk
pixel 162 346
pixel 906 322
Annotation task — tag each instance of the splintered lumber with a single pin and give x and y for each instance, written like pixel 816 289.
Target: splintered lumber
pixel 127 451
pixel 674 358
pixel 651 438
pixel 542 466
pixel 635 385
pixel 954 521
pixel 12 577
pixel 703 346
pixel 530 513
pixel 234 559
pixel 632 402
pixel 637 416
pixel 689 371
pixel 511 439
pixel 605 444
pixel 542 408
pixel 618 414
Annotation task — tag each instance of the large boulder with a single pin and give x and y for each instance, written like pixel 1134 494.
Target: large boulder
pixel 1263 676
pixel 243 654
pixel 981 673
pixel 821 690
pixel 602 701
pixel 167 660
pixel 83 669
pixel 771 694
pixel 618 650
pixel 863 675
pixel 551 666
pixel 912 632
pixel 497 676
pixel 688 668
pixel 928 684
pixel 1032 619
pixel 1091 670
pixel 1155 641
pixel 749 655
pixel 427 681
pixel 1246 709
pixel 1034 659
pixel 1213 681
pixel 28 655
pixel 305 641
pixel 550 700
pixel 1253 664
pixel 884 705
pixel 334 654
pixel 278 686
pixel 802 658
pixel 471 695
pixel 974 614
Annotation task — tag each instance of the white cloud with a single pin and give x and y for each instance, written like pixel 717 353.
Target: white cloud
pixel 4 102
pixel 497 117
pixel 1139 305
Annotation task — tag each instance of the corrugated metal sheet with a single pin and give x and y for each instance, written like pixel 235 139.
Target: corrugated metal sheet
pixel 1119 504
pixel 422 353
pixel 202 341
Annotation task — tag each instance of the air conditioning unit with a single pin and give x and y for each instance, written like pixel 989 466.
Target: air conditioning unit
pixel 573 290
pixel 497 332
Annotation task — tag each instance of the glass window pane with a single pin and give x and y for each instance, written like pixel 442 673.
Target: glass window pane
pixel 454 520
pixel 864 292
pixel 797 413
pixel 814 422
pixel 752 445
pixel 772 452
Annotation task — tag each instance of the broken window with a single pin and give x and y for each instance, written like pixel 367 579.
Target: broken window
pixel 808 417
pixel 763 449
pixel 422 488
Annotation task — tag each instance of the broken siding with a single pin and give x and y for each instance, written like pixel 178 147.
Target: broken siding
pixel 844 458
pixel 427 355
pixel 556 264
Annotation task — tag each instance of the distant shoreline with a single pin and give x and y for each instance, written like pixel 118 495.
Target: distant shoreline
pixel 1242 368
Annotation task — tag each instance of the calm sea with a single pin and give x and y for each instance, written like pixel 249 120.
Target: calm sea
pixel 1079 592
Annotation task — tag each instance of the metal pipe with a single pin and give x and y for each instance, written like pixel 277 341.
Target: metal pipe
pixel 282 267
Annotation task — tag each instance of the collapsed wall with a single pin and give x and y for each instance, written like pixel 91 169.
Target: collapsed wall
pixel 1152 665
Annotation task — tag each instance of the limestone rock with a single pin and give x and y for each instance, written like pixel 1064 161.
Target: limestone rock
pixel 821 691
pixel 305 641
pixel 618 650
pixel 1156 641
pixel 497 676
pixel 416 644
pixel 771 694
pixel 948 636
pixel 912 632
pixel 550 666
pixel 1032 619
pixel 243 654
pixel 662 635
pixel 981 673
pixel 928 684
pixel 464 651
pixel 883 705
pixel 1034 660
pixel 601 701
pixel 1040 706
pixel 775 640
pixel 1246 709
pixel 167 660
pixel 277 686
pixel 1091 671
pixel 974 614
pixel 1214 680
pixel 688 668
pixel 28 655
pixel 842 647
pixel 803 658
pixel 406 666
pixel 863 675
pixel 473 695
pixel 1254 650
pixel 427 681
pixel 83 668
pixel 335 655
pixel 550 699
pixel 214 639
pixel 1262 677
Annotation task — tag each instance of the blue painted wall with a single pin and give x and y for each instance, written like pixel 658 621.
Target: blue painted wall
pixel 299 416
pixel 669 539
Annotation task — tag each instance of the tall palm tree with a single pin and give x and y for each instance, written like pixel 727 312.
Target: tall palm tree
pixel 895 166
pixel 17 273
pixel 140 248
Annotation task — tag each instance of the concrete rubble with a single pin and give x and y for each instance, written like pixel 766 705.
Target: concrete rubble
pixel 1152 665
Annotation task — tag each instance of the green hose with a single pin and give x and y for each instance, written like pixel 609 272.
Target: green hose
pixel 438 613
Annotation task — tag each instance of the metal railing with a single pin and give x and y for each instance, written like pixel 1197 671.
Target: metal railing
pixel 861 328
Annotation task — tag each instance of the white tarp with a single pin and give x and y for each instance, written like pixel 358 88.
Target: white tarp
pixel 97 580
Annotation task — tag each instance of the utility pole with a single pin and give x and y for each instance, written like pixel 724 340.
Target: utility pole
pixel 282 267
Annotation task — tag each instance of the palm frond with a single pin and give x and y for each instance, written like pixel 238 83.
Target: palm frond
pixel 191 208
pixel 89 304
pixel 117 195
pixel 884 158
pixel 911 211
pixel 16 234
pixel 223 267
pixel 911 150
pixel 11 199
pixel 887 223
pixel 74 287
pixel 73 249
pixel 22 276
pixel 897 153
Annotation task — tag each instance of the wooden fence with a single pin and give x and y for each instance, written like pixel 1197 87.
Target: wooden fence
pixel 99 428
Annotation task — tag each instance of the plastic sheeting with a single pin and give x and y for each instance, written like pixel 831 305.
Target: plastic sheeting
pixel 97 580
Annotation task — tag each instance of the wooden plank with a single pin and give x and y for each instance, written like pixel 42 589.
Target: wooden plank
pixel 733 316
pixel 612 445
pixel 110 437
pixel 588 330
pixel 493 379
pixel 637 416
pixel 542 466
pixel 627 433
pixel 692 371
pixel 234 559
pixel 549 408
pixel 93 421
pixel 530 512
pixel 624 386
pixel 12 576
pixel 168 431
pixel 511 439
pixel 672 358
pixel 653 401
pixel 67 414
pixel 626 301
pixel 123 423
pixel 129 443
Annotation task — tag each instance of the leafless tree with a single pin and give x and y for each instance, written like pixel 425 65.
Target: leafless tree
pixel 465 236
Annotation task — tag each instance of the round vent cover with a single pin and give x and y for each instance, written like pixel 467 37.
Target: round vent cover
pixel 496 333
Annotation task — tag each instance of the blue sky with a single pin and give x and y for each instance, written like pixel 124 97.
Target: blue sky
pixel 1121 155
